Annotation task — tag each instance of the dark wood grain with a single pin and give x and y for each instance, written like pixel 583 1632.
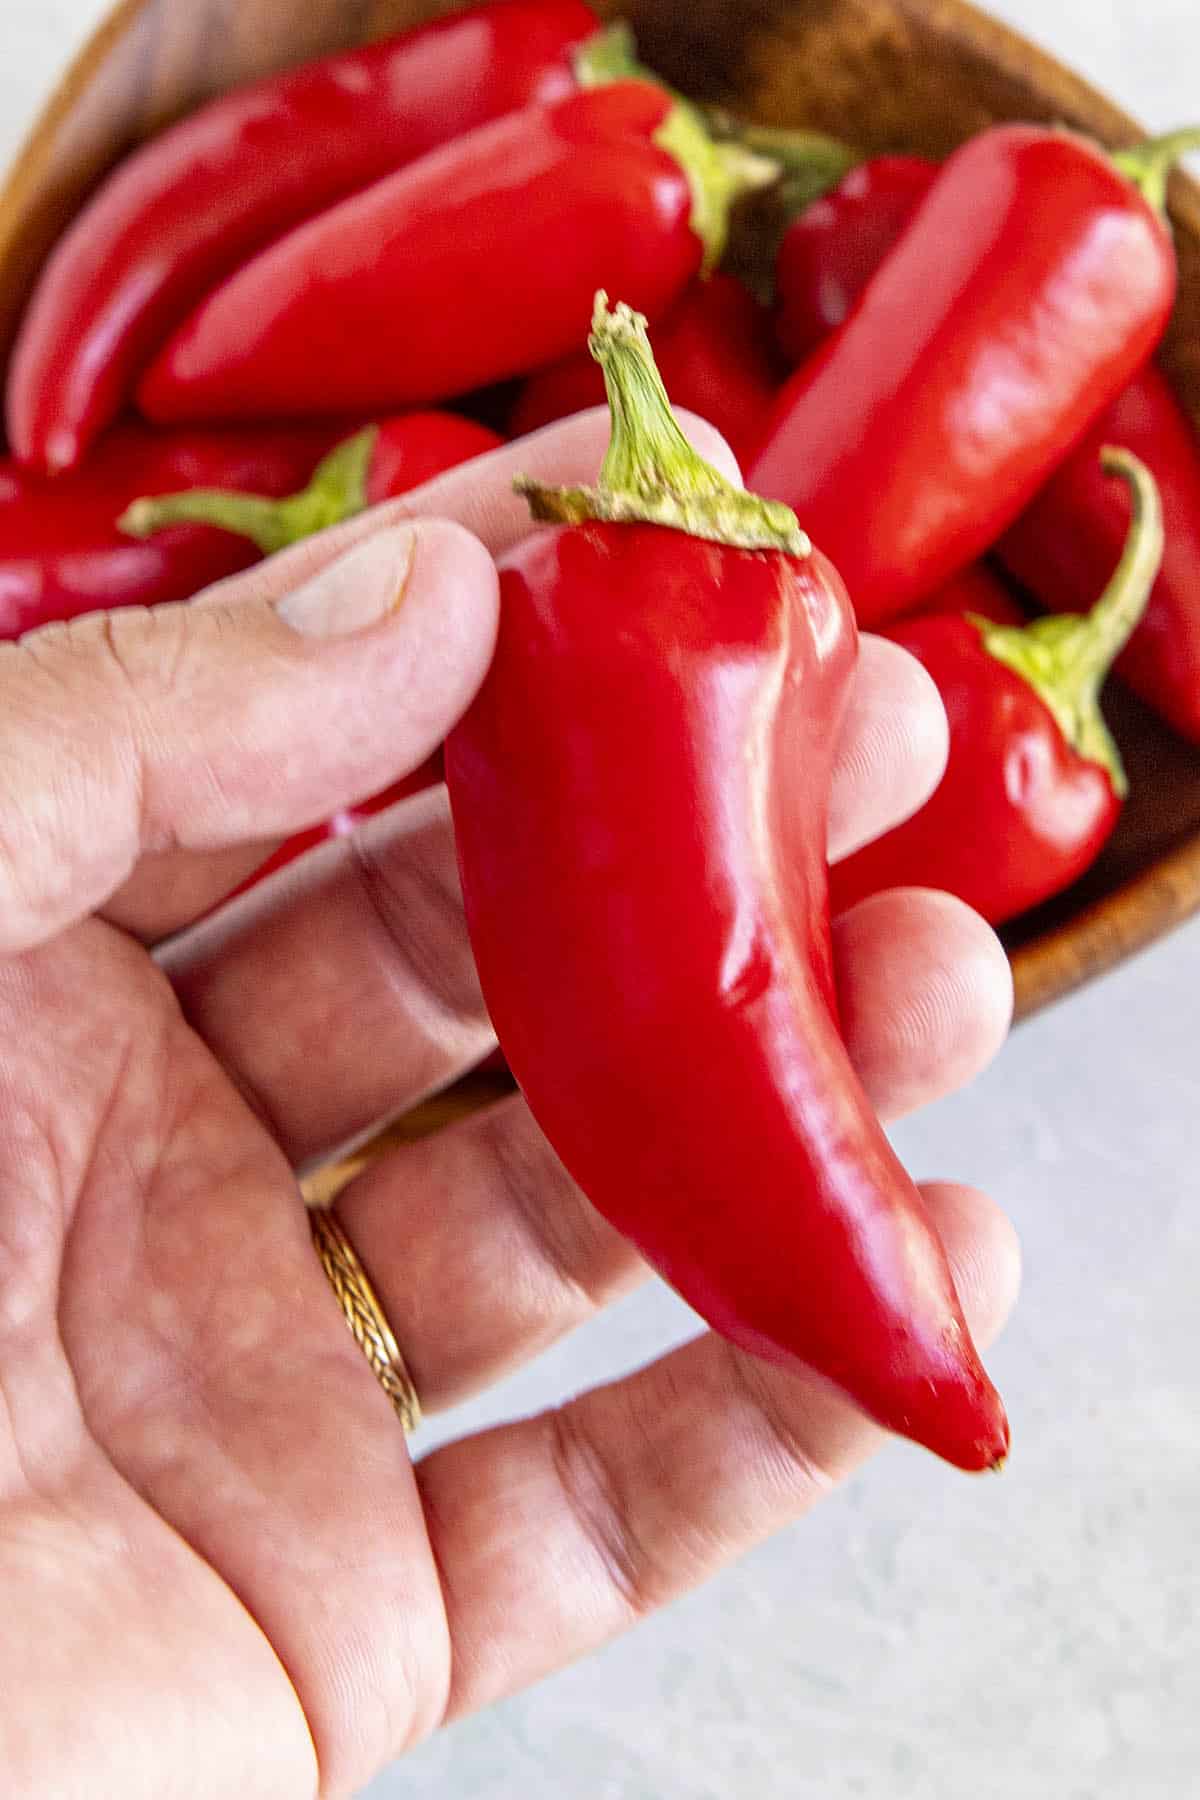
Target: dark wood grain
pixel 921 74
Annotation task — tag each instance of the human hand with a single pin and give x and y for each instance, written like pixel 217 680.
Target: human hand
pixel 222 1573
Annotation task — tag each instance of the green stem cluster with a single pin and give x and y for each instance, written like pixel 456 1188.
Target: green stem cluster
pixel 651 474
pixel 1066 657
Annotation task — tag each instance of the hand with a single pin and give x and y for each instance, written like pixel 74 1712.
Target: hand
pixel 222 1574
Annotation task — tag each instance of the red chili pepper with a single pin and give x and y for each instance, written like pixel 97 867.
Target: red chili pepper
pixel 375 465
pixel 61 551
pixel 714 353
pixel 1032 282
pixel 1065 544
pixel 1034 783
pixel 190 207
pixel 975 590
pixel 640 795
pixel 473 265
pixel 828 255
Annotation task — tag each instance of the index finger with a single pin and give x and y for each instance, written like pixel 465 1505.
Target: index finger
pixel 166 894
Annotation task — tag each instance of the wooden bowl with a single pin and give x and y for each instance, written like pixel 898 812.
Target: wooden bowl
pixel 887 74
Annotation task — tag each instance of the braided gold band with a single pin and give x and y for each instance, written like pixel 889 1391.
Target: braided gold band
pixel 364 1314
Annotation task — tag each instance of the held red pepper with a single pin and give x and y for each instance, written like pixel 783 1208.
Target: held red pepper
pixel 1034 783
pixel 375 465
pixel 714 353
pixel 828 255
pixel 473 265
pixel 640 795
pixel 61 552
pixel 1034 279
pixel 1064 546
pixel 190 207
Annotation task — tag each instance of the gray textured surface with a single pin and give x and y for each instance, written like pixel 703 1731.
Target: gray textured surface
pixel 1031 1638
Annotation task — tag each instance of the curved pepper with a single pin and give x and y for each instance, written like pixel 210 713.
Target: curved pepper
pixel 640 794
pixel 475 264
pixel 193 204
pixel 827 256
pixel 375 465
pixel 61 552
pixel 713 350
pixel 1034 784
pixel 1034 279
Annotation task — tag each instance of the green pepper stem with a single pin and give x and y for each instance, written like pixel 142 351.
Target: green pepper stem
pixel 651 474
pixel 611 55
pixel 719 174
pixel 809 162
pixel 337 491
pixel 1149 165
pixel 1065 658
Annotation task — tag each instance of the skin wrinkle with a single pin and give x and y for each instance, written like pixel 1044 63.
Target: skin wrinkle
pixel 803 1473
pixel 597 1510
pixel 453 991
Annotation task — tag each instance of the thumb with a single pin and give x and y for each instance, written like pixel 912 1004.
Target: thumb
pixel 196 727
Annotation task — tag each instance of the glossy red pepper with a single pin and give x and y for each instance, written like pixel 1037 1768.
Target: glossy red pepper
pixel 1034 783
pixel 192 205
pixel 713 350
pixel 827 256
pixel 976 590
pixel 1064 545
pixel 644 877
pixel 1032 282
pixel 473 265
pixel 61 552
pixel 374 465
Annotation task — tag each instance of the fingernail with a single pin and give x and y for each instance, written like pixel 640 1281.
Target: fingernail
pixel 357 591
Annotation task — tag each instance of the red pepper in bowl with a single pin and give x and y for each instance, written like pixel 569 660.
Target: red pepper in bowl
pixel 1066 542
pixel 205 504
pixel 197 201
pixel 1034 784
pixel 977 591
pixel 375 465
pixel 640 794
pixel 473 265
pixel 713 351
pixel 1032 282
pixel 829 253
pixel 61 552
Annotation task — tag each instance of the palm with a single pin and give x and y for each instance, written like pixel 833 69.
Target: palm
pixel 168 1385
pixel 222 1572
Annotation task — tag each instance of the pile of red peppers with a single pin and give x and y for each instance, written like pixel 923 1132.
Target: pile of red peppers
pixel 319 291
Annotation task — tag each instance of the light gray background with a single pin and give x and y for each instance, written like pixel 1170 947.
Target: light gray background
pixel 926 1637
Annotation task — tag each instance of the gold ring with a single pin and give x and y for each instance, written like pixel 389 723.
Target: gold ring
pixel 364 1314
